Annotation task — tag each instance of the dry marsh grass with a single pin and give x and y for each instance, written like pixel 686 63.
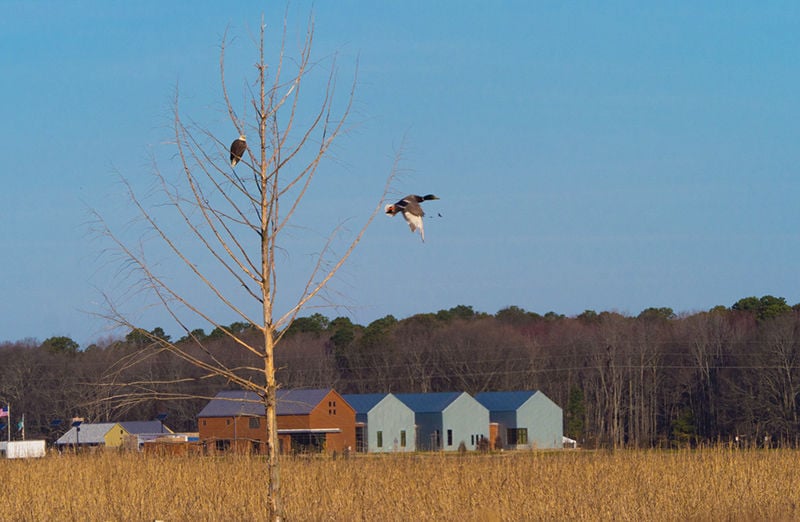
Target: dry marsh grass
pixel 708 484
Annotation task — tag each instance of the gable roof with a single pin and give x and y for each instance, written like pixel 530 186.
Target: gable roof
pixel 91 433
pixel 504 400
pixel 300 402
pixel 428 402
pixel 364 402
pixel 140 427
pixel 232 403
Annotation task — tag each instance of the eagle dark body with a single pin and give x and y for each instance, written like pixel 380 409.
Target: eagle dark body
pixel 238 147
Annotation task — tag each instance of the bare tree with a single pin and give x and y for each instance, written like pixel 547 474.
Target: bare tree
pixel 779 375
pixel 709 336
pixel 226 227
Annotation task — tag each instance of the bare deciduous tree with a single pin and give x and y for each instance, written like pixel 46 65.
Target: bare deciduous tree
pixel 225 226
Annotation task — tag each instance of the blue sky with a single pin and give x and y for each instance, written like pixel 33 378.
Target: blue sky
pixel 610 156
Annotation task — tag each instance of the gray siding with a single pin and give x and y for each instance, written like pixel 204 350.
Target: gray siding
pixel 532 411
pixel 446 419
pixel 390 417
pixel 544 420
pixel 468 419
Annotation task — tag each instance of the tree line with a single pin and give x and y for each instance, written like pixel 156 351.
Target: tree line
pixel 656 379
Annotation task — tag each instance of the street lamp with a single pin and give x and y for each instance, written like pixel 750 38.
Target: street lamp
pixel 77 425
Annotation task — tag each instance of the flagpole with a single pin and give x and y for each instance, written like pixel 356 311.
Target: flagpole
pixel 8 421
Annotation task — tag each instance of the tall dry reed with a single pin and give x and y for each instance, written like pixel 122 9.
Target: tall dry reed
pixel 707 484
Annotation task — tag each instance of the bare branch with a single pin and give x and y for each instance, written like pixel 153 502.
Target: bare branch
pixel 236 226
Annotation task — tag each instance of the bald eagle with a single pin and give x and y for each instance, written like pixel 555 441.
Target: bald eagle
pixel 238 147
pixel 412 211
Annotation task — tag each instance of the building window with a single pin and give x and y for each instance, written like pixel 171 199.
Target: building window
pixel 449 437
pixel 517 436
pixel 204 422
pixel 227 422
pixel 255 423
pixel 402 438
pixel 380 439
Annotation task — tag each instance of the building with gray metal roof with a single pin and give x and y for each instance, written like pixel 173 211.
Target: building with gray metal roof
pixel 241 403
pixel 109 434
pixel 88 434
pixel 446 419
pixel 308 420
pixel 525 419
pixel 383 423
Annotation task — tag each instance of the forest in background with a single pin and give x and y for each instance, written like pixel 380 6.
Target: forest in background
pixel 653 380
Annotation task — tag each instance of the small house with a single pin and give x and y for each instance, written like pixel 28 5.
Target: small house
pixel 525 419
pixel 446 419
pixel 383 423
pixel 308 420
pixel 109 434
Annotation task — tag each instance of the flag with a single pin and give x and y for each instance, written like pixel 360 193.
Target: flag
pixel 4 412
pixel 21 424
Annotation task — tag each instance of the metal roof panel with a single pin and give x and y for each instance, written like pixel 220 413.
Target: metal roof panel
pixel 232 403
pixel 504 400
pixel 428 402
pixel 364 402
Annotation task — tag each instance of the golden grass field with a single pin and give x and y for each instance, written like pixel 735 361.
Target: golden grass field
pixel 707 484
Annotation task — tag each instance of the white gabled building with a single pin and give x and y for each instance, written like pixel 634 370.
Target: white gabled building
pixel 384 424
pixel 525 419
pixel 446 419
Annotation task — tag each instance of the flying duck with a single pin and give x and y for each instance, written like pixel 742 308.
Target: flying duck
pixel 238 147
pixel 410 207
